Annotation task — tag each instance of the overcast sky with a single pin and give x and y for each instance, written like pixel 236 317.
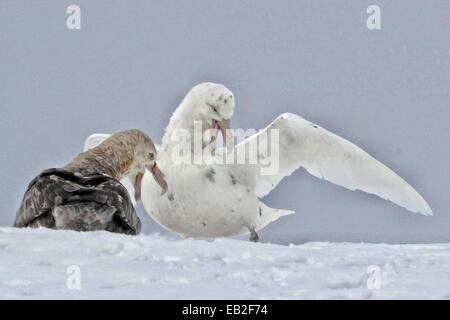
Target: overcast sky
pixel 132 62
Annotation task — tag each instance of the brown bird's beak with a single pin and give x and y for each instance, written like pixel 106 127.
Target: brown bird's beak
pixel 159 177
pixel 137 186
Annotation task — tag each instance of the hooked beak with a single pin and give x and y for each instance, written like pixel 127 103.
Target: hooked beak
pixel 224 127
pixel 159 177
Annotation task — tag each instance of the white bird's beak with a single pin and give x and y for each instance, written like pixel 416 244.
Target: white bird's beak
pixel 224 127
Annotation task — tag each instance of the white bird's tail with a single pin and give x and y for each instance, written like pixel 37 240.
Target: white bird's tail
pixel 268 215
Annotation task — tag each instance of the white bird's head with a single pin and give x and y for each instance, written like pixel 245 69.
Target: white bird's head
pixel 212 104
pixel 211 101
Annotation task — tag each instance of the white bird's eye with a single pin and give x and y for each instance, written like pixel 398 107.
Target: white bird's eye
pixel 213 107
pixel 151 155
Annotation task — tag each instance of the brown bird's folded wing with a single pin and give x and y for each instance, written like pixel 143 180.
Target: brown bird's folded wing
pixel 59 193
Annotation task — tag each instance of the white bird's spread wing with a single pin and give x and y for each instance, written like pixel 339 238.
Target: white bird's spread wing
pixel 326 156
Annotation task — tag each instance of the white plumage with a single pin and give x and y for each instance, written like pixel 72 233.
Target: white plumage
pixel 221 200
pixel 330 157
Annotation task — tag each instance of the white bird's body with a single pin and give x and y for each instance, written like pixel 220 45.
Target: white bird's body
pixel 222 200
pixel 205 201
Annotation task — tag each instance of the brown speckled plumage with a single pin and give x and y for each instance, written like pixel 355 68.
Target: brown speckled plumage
pixel 86 194
pixel 115 156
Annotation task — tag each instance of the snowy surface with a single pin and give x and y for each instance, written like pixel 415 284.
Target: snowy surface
pixel 33 264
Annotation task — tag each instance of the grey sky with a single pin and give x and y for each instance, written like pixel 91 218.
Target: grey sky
pixel 133 61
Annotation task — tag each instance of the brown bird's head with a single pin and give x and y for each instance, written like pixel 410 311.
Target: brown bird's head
pixel 145 155
pixel 125 154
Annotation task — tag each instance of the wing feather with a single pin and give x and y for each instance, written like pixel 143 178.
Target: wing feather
pixel 57 187
pixel 327 156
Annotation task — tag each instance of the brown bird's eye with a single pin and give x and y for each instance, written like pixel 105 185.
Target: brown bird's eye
pixel 151 155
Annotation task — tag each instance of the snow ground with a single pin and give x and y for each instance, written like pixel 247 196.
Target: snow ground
pixel 34 264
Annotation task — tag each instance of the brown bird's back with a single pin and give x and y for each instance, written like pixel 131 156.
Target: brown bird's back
pixel 86 194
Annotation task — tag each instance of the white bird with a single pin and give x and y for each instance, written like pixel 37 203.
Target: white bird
pixel 222 200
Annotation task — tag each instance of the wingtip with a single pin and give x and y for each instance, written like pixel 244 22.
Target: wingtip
pixel 94 140
pixel 426 210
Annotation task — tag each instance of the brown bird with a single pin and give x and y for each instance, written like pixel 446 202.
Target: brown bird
pixel 86 194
